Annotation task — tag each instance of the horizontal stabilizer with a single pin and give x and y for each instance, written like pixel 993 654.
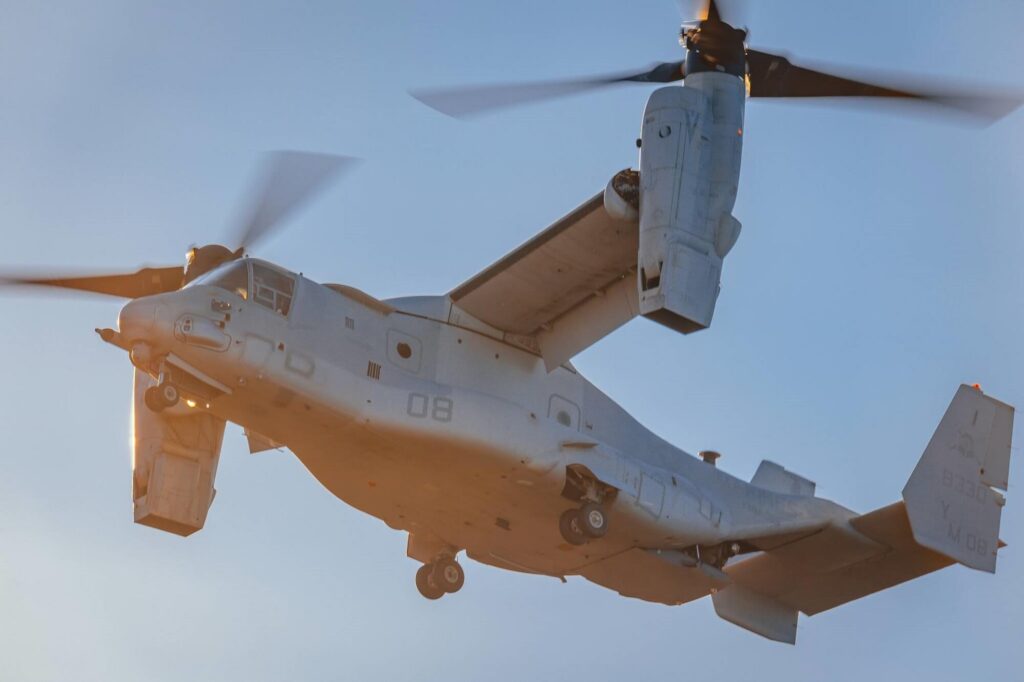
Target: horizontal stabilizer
pixel 836 565
pixel 950 499
pixel 773 477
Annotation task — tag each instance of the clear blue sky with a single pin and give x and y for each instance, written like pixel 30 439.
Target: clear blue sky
pixel 879 267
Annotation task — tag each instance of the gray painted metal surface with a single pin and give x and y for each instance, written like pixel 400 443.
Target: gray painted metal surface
pixel 459 420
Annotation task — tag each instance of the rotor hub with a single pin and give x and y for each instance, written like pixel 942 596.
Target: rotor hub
pixel 715 46
pixel 201 259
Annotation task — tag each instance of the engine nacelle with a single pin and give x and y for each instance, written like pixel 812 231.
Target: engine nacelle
pixel 174 463
pixel 689 170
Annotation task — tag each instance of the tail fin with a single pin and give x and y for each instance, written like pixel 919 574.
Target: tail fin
pixel 950 498
pixel 778 479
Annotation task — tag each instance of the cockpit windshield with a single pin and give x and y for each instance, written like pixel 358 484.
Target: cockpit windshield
pixel 271 288
pixel 233 277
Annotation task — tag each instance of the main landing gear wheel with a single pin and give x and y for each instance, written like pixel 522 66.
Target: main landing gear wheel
pixel 159 398
pixel 571 527
pixel 593 520
pixel 444 576
pixel 589 522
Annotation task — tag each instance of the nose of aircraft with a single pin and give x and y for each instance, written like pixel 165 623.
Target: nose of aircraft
pixel 140 318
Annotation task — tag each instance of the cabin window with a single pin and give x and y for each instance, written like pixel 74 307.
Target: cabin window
pixel 272 289
pixel 404 350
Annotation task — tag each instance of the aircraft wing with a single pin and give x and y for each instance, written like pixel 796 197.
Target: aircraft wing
pixel 568 287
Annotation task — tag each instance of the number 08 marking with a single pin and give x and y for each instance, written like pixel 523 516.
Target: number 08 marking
pixel 421 406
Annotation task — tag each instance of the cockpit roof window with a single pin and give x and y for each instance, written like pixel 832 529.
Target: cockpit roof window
pixel 233 277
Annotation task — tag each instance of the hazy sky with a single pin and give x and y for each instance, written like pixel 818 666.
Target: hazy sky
pixel 879 267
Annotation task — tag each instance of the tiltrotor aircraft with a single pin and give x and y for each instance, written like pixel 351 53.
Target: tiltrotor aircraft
pixel 460 420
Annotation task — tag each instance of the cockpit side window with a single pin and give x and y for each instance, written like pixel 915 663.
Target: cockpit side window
pixel 233 277
pixel 272 289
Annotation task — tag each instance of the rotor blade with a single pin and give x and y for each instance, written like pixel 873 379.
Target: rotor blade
pixel 145 282
pixel 288 180
pixel 471 101
pixel 710 10
pixel 711 13
pixel 776 76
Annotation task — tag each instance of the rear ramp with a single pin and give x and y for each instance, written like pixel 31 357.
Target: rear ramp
pixel 950 514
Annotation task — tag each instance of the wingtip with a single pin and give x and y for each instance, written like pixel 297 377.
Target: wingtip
pixel 430 99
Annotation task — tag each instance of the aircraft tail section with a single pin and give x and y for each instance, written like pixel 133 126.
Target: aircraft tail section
pixel 818 572
pixel 949 514
pixel 951 498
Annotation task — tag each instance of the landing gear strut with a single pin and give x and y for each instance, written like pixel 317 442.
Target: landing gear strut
pixel 441 577
pixel 589 521
pixel 159 398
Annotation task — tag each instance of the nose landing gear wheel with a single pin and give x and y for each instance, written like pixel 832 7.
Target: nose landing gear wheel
pixel 159 398
pixel 571 526
pixel 425 583
pixel 152 397
pixel 169 394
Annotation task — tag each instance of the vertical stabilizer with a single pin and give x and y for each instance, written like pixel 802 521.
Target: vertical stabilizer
pixel 771 476
pixel 950 498
pixel 756 612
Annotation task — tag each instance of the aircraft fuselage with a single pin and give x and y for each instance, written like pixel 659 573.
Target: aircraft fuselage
pixel 442 430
